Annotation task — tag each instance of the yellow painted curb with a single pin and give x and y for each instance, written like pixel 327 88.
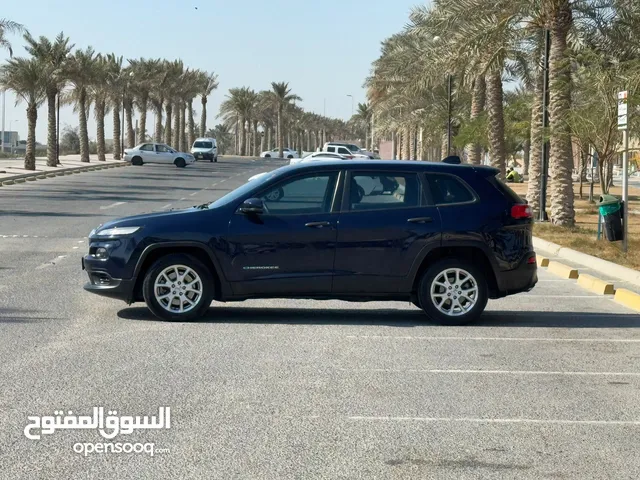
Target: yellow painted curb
pixel 19 180
pixel 542 261
pixel 628 298
pixel 30 179
pixel 595 284
pixel 562 270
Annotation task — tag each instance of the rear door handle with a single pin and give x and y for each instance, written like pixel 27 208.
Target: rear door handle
pixel 317 224
pixel 420 220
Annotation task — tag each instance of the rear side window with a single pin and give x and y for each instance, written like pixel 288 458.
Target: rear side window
pixel 503 188
pixel 447 190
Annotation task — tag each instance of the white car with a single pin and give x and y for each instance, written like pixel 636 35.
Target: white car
pixel 349 149
pixel 319 156
pixel 275 153
pixel 205 149
pixel 157 153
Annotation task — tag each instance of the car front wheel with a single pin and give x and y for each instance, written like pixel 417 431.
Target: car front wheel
pixel 178 287
pixel 453 292
pixel 136 161
pixel 180 163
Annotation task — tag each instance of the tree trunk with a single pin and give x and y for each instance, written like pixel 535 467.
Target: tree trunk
pixel 51 128
pixel 30 154
pixel 560 159
pixel 280 132
pixel 84 134
pixel 203 116
pixel 131 136
pixel 444 153
pixel 117 140
pixel 535 159
pixel 192 127
pixel 289 137
pixel 269 133
pixel 308 140
pixel 478 101
pixel 168 137
pixel 157 136
pixel 100 109
pixel 176 126
pixel 142 127
pixel 263 139
pixel 241 145
pixel 495 103
pixel 406 144
pixel 183 124
pixel 526 154
pixel 256 143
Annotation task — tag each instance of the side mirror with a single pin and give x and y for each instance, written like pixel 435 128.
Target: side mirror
pixel 252 206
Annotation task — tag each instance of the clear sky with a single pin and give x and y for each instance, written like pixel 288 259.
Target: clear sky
pixel 324 49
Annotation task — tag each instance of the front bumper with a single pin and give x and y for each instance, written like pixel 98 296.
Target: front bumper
pixel 204 156
pixel 102 283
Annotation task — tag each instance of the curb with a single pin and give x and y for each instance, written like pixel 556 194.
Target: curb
pixel 58 173
pixel 542 261
pixel 628 298
pixel 563 270
pixel 595 285
pixel 609 269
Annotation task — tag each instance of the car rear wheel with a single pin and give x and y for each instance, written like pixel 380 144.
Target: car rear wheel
pixel 267 156
pixel 290 157
pixel 453 292
pixel 178 287
pixel 180 163
pixel 136 161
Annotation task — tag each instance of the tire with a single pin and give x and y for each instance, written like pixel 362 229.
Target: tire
pixel 216 159
pixel 167 310
pixel 452 314
pixel 290 157
pixel 136 161
pixel 211 161
pixel 267 156
pixel 180 163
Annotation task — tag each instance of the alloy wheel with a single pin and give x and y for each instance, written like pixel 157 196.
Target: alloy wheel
pixel 454 292
pixel 178 289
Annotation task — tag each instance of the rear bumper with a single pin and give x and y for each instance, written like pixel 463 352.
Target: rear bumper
pixel 520 279
pixel 103 284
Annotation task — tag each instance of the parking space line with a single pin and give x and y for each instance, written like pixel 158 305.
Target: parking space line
pixel 549 421
pixel 492 372
pixel 166 206
pixel 105 207
pixel 194 193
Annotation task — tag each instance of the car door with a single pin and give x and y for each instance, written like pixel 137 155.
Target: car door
pixel 382 231
pixel 163 154
pixel 290 249
pixel 148 153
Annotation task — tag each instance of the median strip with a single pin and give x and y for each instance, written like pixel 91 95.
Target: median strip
pixel 562 270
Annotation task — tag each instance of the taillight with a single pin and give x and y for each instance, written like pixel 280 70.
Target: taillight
pixel 531 260
pixel 521 211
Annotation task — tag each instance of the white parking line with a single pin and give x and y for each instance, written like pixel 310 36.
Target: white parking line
pixel 492 372
pixel 494 420
pixel 194 193
pixel 166 206
pixel 105 207
pixel 183 198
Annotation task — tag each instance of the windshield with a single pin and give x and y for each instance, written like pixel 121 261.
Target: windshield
pixel 241 191
pixel 202 145
pixel 353 148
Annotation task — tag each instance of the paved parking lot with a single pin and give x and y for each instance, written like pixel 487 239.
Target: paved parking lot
pixel 544 386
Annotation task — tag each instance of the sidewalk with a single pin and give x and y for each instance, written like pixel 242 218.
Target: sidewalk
pixel 13 171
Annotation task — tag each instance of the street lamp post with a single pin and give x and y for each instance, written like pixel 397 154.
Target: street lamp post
pixel 58 128
pixel 351 104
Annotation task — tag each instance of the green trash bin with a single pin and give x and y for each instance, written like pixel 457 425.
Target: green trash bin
pixel 611 210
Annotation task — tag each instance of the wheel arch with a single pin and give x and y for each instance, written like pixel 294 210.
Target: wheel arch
pixel 473 254
pixel 198 250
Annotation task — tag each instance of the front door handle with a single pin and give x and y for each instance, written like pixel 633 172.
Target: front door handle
pixel 420 220
pixel 317 224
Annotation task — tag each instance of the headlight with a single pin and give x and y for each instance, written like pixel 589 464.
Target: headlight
pixel 117 231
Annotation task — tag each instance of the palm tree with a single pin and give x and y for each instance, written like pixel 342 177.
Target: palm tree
pixel 145 74
pixel 8 26
pixel 223 137
pixel 238 107
pixel 362 118
pixel 190 90
pixel 208 82
pixel 115 80
pixel 24 78
pixel 51 56
pixel 176 70
pixel 281 96
pixel 99 92
pixel 80 71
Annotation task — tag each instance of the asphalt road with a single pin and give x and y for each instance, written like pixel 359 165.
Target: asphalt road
pixel 546 385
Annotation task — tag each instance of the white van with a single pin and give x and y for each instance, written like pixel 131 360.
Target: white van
pixel 205 149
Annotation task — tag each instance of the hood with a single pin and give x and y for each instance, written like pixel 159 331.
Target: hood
pixel 146 218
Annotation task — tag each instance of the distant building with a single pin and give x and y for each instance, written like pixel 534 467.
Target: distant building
pixel 10 139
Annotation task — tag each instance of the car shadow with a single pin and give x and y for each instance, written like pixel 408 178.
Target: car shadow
pixel 393 317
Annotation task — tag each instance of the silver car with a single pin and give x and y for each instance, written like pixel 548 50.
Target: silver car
pixel 157 153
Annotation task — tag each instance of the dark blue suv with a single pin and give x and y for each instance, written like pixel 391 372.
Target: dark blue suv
pixel 445 237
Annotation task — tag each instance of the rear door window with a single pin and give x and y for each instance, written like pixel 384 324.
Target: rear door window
pixel 383 191
pixel 448 190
